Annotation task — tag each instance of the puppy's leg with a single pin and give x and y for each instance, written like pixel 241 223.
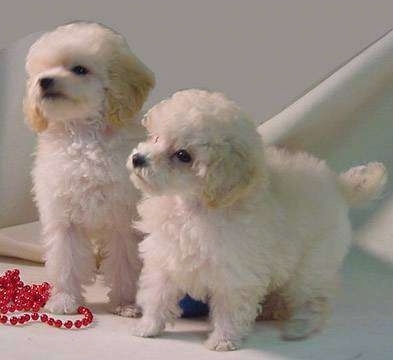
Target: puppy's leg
pixel 69 263
pixel 121 268
pixel 309 300
pixel 158 296
pixel 233 314
pixel 306 319
pixel 314 284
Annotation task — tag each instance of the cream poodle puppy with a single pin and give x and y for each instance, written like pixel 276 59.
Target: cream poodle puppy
pixel 84 90
pixel 230 223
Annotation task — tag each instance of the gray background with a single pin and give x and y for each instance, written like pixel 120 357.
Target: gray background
pixel 264 54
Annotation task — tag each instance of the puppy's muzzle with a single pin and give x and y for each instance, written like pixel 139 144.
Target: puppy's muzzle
pixel 49 89
pixel 46 83
pixel 139 160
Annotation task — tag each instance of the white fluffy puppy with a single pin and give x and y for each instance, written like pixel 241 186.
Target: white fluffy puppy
pixel 230 223
pixel 84 88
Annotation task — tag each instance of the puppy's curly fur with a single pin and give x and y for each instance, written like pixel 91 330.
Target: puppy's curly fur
pixel 84 89
pixel 232 223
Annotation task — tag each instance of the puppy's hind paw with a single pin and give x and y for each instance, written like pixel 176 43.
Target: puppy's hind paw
pixel 221 344
pixel 63 303
pixel 298 329
pixel 147 328
pixel 130 310
pixel 307 319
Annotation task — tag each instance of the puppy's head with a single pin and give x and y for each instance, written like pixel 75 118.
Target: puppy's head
pixel 202 146
pixel 83 70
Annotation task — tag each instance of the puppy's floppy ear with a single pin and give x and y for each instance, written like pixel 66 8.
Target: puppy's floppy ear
pixel 129 85
pixel 34 116
pixel 232 171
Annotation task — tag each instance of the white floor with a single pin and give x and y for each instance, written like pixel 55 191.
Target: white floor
pixel 361 327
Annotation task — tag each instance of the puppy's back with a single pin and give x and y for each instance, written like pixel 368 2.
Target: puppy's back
pixel 303 183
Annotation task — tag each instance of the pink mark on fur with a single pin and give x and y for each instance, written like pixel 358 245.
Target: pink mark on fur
pixel 108 131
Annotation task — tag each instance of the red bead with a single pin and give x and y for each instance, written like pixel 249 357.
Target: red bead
pixel 51 321
pixel 68 324
pixel 3 319
pixel 35 307
pixel 11 308
pixel 78 323
pixel 21 320
pixel 35 316
pixel 27 317
pixel 85 322
pixel 44 318
pixel 58 323
pixel 4 310
pixel 27 306
pixel 14 320
pixel 45 286
pixel 81 309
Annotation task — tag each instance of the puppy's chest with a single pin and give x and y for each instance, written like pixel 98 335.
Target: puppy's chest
pixel 89 165
pixel 85 175
pixel 203 248
pixel 88 162
pixel 192 261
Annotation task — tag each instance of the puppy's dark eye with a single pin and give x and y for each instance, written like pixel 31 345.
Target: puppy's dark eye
pixel 79 70
pixel 183 156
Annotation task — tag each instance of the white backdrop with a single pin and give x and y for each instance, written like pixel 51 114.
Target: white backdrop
pixel 16 141
pixel 347 120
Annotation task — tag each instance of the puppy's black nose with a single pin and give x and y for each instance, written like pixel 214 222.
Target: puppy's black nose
pixel 138 160
pixel 46 83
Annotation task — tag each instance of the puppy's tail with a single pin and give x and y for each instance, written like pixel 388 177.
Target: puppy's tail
pixel 362 184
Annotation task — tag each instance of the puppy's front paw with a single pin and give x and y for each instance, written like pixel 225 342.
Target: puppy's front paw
pixel 63 303
pixel 221 343
pixel 130 310
pixel 147 328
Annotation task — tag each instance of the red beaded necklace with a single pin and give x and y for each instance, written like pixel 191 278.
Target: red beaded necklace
pixel 16 296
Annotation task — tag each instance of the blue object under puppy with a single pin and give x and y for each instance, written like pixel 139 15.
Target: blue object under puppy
pixel 193 308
